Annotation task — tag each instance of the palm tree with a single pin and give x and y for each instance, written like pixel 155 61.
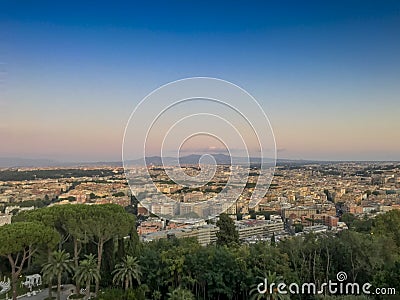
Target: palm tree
pixel 58 264
pixel 156 295
pixel 127 271
pixel 180 294
pixel 87 272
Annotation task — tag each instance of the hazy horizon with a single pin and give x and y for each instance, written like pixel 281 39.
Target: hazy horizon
pixel 6 162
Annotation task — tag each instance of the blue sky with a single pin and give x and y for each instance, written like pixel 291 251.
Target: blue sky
pixel 326 73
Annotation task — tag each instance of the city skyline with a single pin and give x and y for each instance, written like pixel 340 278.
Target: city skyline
pixel 327 75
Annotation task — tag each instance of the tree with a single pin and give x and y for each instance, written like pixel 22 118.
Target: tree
pixel 87 272
pixel 59 264
pixel 223 284
pixel 388 224
pixel 298 227
pixel 156 295
pixel 127 271
pixel 227 234
pixel 20 241
pixel 119 194
pixel 132 244
pixel 50 217
pixel 107 222
pixel 349 219
pixel 273 241
pixel 78 230
pixel 180 294
pixel 98 224
pixel 59 217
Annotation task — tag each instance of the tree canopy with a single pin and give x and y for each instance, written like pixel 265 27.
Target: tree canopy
pixel 227 234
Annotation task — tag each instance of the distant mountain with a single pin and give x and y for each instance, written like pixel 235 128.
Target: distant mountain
pixel 221 159
pixel 156 160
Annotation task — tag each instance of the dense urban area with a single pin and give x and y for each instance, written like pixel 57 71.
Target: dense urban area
pixel 82 228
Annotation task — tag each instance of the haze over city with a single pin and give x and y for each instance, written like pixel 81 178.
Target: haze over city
pixel 327 75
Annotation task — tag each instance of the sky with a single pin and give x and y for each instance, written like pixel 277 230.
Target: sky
pixel 327 73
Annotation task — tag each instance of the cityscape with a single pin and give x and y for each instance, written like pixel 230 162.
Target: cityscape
pixel 303 197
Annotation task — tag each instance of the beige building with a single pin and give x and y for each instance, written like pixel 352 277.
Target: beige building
pixel 205 234
pixel 166 209
pixel 250 228
pixel 298 212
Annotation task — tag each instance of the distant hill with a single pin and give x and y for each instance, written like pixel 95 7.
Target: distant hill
pixel 221 159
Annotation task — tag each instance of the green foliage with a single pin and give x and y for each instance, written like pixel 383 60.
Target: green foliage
pixel 298 228
pixel 126 272
pixel 83 225
pixel 388 224
pixel 105 223
pixel 38 203
pixel 227 234
pixel 10 175
pixel 17 237
pixel 364 226
pixel 138 293
pixel 87 272
pixel 119 194
pixel 59 263
pixel 356 224
pixel 180 294
pixel 349 219
pixel 390 192
pixel 76 296
pixel 20 241
pixel 111 294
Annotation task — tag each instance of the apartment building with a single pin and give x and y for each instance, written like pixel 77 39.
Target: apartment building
pixel 249 228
